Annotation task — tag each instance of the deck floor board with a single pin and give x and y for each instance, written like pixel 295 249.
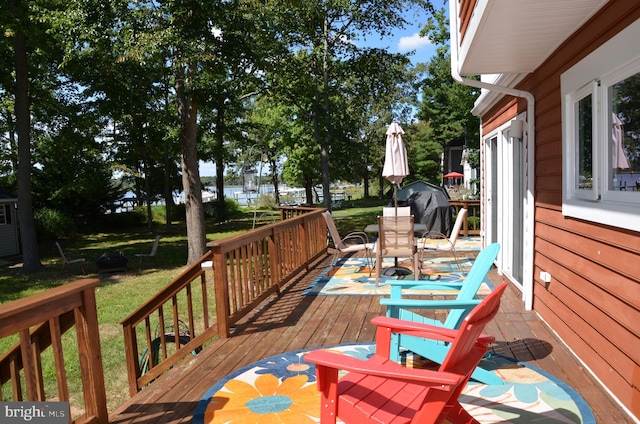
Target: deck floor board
pixel 294 321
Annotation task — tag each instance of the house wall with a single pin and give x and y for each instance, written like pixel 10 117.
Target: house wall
pixel 593 299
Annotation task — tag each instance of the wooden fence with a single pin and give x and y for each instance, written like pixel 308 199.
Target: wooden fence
pixel 246 270
pixel 38 323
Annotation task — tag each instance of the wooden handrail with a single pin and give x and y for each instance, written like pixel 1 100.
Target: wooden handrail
pixel 39 321
pixel 247 268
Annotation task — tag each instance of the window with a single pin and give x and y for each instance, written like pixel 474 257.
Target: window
pixel 601 133
pixel 5 215
pixel 624 120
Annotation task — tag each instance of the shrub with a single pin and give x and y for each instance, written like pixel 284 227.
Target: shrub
pixel 54 224
pixel 209 209
pixel 178 212
pixel 232 207
pixel 123 220
pixel 267 201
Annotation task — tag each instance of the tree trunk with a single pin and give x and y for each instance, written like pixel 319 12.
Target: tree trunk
pixel 221 209
pixel 147 186
pixel 326 139
pixel 28 239
pixel 168 196
pixel 168 167
pixel 188 111
pixel 366 179
pixel 274 180
pixel 308 188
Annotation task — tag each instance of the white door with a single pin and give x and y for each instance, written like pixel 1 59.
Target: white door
pixel 504 201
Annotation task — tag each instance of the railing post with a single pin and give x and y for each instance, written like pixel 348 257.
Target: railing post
pixel 91 358
pixel 131 354
pixel 30 366
pixel 221 287
pixel 304 240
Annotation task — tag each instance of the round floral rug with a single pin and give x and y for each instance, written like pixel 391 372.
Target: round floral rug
pixel 282 389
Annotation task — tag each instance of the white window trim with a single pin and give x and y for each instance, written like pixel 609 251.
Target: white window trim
pixel 570 125
pixel 617 57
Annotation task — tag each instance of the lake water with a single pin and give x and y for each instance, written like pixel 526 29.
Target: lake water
pixel 209 195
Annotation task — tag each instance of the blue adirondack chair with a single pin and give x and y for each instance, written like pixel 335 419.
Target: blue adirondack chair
pixel 465 301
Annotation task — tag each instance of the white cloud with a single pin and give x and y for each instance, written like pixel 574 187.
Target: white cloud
pixel 413 42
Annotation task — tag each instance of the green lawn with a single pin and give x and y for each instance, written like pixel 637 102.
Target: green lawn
pixel 119 294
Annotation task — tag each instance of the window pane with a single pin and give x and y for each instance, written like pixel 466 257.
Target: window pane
pixel 585 143
pixel 624 146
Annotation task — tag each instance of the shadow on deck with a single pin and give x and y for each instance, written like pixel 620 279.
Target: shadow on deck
pixel 295 321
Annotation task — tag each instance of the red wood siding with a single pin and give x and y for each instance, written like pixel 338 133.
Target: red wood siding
pixel 593 300
pixel 465 8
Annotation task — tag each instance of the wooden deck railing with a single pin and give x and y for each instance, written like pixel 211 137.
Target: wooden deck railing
pixel 249 267
pixel 246 269
pixel 169 326
pixel 288 212
pixel 471 225
pixel 38 323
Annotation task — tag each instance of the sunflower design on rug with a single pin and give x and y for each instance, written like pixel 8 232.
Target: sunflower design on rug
pixel 265 400
pixel 278 390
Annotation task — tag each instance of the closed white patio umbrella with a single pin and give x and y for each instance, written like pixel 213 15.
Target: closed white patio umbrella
pixel 394 170
pixel 395 167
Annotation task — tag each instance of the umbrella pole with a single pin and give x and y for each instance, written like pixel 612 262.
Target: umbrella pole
pixel 395 197
pixel 395 202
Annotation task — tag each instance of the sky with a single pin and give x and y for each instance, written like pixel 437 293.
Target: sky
pixel 402 41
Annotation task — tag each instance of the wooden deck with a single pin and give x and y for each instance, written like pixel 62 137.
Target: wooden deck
pixel 294 321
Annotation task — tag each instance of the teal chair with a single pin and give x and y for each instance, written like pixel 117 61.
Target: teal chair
pixel 465 301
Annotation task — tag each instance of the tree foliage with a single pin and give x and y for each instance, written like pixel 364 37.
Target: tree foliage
pixel 446 104
pixel 142 90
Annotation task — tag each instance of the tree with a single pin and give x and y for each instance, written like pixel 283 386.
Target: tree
pixel 445 103
pixel 323 55
pixel 81 189
pixel 425 153
pixel 28 35
pixel 272 127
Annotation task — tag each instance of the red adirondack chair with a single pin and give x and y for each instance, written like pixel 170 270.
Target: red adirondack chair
pixel 379 390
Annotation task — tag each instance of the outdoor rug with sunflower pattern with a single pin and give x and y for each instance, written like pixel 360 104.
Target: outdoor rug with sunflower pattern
pixel 282 389
pixel 353 276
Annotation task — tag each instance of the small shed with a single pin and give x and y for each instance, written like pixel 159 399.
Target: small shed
pixel 9 241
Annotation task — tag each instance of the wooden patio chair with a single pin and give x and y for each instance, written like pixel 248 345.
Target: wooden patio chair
pixel 436 241
pixel 396 211
pixel 465 300
pixel 379 390
pixel 396 240
pixel 154 250
pixel 353 242
pixel 66 260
